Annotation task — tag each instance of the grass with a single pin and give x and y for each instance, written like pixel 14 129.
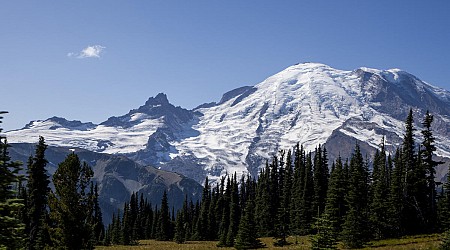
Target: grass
pixel 413 242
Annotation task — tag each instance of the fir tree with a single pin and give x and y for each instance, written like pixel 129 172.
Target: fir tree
pixel 180 229
pixel 283 210
pixel 430 165
pixel 70 204
pixel 126 227
pixel 11 228
pixel 263 199
pixel 320 178
pixel 225 216
pixel 445 245
pixel 234 213
pixel 306 205
pixel 444 205
pixel 164 232
pixel 335 203
pixel 246 237
pixel 380 195
pixel 202 222
pixel 397 196
pixel 37 201
pixel 325 237
pixel 354 233
pixel 297 189
pixel 98 229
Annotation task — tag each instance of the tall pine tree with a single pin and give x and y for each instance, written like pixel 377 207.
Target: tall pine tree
pixel 37 202
pixel 164 224
pixel 70 204
pixel 246 237
pixel 355 228
pixel 429 165
pixel 380 195
pixel 11 228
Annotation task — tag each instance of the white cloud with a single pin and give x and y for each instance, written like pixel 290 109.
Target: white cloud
pixel 94 51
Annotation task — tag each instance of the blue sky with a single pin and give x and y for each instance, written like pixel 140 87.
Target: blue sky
pixel 194 51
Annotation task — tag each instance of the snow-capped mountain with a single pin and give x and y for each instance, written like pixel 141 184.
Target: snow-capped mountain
pixel 309 103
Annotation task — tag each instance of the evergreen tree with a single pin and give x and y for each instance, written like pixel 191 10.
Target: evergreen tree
pixel 212 215
pixel 285 205
pixel 234 212
pixel 70 204
pixel 180 229
pixel 116 229
pixel 297 189
pixel 126 227
pixel 98 228
pixel 164 231
pixel 416 186
pixel 306 202
pixel 325 237
pixel 444 205
pixel 320 179
pixel 397 196
pixel 354 233
pixel 445 245
pixel 246 237
pixel 429 164
pixel 11 228
pixel 201 232
pixel 37 200
pixel 263 199
pixel 335 203
pixel 380 195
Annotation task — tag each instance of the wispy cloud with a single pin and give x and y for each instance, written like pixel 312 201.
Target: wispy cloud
pixel 94 51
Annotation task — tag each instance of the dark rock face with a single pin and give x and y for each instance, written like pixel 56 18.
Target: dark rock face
pixel 154 108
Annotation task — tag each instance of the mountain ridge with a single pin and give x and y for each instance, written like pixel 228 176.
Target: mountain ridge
pixel 307 103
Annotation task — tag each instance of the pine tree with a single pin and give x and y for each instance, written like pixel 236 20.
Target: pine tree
pixel 246 237
pixel 306 202
pixel 98 228
pixel 397 196
pixel 202 222
pixel 320 178
pixel 335 203
pixel 354 233
pixel 297 189
pixel 380 195
pixel 11 228
pixel 325 237
pixel 225 216
pixel 163 232
pixel 285 204
pixel 180 230
pixel 429 164
pixel 234 212
pixel 212 215
pixel 263 199
pixel 445 245
pixel 444 205
pixel 116 229
pixel 37 202
pixel 70 204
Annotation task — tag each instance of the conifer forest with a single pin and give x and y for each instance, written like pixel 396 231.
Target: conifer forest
pixel 351 200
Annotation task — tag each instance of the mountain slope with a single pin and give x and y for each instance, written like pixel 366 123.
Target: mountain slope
pixel 309 103
pixel 118 177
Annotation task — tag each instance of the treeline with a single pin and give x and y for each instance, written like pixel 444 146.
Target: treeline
pixel 32 216
pixel 297 194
